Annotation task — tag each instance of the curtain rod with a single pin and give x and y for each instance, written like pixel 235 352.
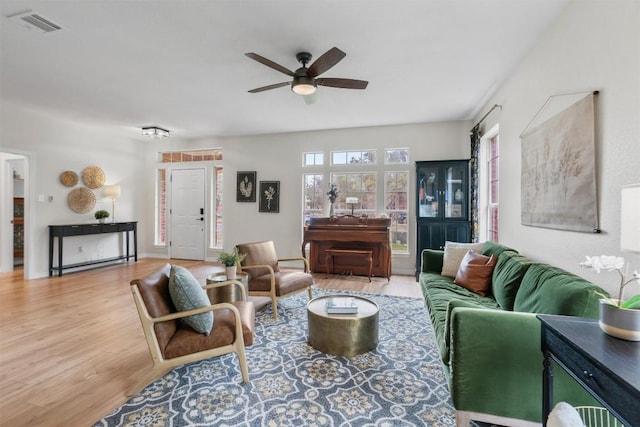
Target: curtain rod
pixel 486 115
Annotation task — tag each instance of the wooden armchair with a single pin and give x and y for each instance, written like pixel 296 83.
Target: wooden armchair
pixel 266 278
pixel 172 343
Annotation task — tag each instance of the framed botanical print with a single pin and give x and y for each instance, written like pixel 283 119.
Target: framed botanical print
pixel 269 196
pixel 246 187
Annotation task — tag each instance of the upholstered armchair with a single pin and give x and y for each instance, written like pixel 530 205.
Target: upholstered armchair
pixel 172 342
pixel 265 276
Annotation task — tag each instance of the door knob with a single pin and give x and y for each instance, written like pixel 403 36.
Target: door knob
pixel 201 219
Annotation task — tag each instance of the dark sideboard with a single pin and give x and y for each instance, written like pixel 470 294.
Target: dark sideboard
pixel 70 230
pixel 607 367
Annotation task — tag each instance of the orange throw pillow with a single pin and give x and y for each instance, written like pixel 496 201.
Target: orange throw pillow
pixel 475 273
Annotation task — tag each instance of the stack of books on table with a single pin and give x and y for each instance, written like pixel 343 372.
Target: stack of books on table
pixel 342 305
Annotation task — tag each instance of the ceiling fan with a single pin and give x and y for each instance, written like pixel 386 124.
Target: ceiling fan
pixel 305 80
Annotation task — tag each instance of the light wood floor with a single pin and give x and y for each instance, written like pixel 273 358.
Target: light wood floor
pixel 69 345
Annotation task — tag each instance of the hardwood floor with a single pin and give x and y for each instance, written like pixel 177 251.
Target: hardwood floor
pixel 70 345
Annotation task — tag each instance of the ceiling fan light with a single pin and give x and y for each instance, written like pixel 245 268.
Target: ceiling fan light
pixel 303 85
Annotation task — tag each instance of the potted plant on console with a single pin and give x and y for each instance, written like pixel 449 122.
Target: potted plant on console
pixel 618 317
pixel 101 215
pixel 230 261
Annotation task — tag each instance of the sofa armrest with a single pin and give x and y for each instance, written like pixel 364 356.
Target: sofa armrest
pixel 432 260
pixel 445 352
pixel 496 365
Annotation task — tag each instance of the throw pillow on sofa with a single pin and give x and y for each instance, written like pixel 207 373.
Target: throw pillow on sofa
pixel 453 254
pixel 187 294
pixel 475 273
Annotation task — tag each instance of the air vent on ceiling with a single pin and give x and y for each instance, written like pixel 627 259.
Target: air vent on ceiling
pixel 34 21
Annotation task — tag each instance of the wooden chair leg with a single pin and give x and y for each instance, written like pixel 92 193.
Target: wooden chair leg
pixel 274 303
pixel 242 361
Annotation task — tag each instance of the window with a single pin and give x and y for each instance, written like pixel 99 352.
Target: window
pixel 160 208
pixel 367 157
pixel 396 200
pixel 361 185
pixel 396 156
pixel 216 231
pixel 161 219
pixel 346 172
pixel 494 181
pixel 190 156
pixel 314 196
pixel 313 159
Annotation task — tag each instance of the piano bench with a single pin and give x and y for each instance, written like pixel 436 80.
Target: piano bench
pixel 332 252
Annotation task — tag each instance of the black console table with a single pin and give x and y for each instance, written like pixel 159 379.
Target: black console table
pixel 607 367
pixel 62 231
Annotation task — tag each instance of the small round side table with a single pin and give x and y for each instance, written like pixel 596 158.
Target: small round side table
pixel 227 293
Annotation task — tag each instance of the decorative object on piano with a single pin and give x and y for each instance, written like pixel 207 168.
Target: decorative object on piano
pixel 618 317
pixel 342 305
pixel 230 261
pixel 101 215
pixel 269 196
pixel 246 186
pixel 69 178
pixel 333 195
pixel 93 177
pixel 352 201
pixel 81 200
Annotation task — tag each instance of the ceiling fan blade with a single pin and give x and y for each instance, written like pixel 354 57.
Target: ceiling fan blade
pixel 274 86
pixel 342 83
pixel 269 63
pixel 326 61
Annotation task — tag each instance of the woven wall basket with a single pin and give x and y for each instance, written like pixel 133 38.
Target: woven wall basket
pixel 93 177
pixel 81 200
pixel 69 178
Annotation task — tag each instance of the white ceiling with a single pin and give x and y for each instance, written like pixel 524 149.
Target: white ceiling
pixel 181 64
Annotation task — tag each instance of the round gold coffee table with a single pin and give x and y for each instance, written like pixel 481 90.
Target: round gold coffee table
pixel 343 334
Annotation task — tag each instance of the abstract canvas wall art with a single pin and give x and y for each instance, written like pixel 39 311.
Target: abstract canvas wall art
pixel 558 170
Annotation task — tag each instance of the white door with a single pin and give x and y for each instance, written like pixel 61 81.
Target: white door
pixel 187 214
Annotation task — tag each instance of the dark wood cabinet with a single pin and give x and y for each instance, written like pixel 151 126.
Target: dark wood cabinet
pixel 442 205
pixel 605 366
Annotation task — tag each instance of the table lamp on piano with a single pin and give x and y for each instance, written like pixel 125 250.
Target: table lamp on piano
pixel 352 201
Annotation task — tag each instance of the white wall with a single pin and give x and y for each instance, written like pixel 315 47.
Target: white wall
pixel 56 145
pixel 594 45
pixel 278 157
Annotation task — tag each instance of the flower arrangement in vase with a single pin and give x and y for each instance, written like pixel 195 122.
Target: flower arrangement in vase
pixel 618 317
pixel 230 261
pixel 333 195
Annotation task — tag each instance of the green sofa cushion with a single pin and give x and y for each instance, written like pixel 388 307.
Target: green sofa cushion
pixel 507 276
pixel 432 260
pixel 492 248
pixel 551 290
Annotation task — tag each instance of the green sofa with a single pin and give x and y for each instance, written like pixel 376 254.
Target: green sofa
pixel 490 346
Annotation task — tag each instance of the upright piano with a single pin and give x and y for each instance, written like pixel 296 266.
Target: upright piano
pixel 349 232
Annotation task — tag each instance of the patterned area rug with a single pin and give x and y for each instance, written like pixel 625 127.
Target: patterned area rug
pixel 400 383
